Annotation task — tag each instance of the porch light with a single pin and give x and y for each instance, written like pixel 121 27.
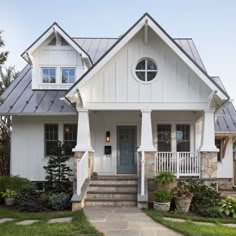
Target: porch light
pixel 108 136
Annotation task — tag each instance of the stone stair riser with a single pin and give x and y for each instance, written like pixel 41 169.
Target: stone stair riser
pixel 114 182
pixel 131 196
pixel 113 188
pixel 107 203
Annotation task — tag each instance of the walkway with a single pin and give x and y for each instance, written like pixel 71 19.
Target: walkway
pixel 125 221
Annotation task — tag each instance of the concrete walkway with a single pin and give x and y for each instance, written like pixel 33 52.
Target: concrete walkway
pixel 125 221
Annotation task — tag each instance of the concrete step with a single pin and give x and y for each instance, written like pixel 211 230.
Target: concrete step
pixel 114 181
pixel 112 195
pixel 113 188
pixel 110 202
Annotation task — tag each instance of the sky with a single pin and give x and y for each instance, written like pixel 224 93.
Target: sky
pixel 211 24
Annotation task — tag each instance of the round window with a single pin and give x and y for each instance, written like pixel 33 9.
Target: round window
pixel 146 70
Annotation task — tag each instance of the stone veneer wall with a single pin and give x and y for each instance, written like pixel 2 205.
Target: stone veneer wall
pixel 149 164
pixel 209 165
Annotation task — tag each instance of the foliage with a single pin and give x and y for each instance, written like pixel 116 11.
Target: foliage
pixel 7 75
pixel 182 190
pixel 13 182
pixel 58 172
pixel 59 202
pixel 213 212
pixel 9 193
pixel 28 199
pixel 228 206
pixel 164 177
pixel 162 196
pixel 4 54
pixel 204 197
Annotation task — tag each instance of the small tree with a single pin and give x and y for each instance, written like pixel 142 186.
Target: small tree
pixel 58 172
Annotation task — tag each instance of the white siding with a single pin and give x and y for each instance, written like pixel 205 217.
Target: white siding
pixel 117 83
pixel 225 167
pixel 27 147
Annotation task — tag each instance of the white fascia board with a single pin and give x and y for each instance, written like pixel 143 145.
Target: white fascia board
pixel 47 34
pixel 182 55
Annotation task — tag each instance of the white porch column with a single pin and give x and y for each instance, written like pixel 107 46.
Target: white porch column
pixel 83 132
pixel 146 132
pixel 208 132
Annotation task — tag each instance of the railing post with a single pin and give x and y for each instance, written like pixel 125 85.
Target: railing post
pixel 177 163
pixel 142 174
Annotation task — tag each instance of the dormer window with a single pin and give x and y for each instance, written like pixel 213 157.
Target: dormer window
pixel 68 75
pixel 49 75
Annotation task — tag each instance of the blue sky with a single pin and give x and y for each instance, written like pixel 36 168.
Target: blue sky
pixel 211 24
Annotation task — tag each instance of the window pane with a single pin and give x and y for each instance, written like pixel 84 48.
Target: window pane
pixel 151 65
pixel 49 75
pixel 70 137
pixel 141 65
pixel 151 75
pixel 140 75
pixel 51 137
pixel 164 138
pixel 68 75
pixel 183 138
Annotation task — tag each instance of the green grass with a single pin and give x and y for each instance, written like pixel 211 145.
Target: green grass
pixel 189 228
pixel 78 226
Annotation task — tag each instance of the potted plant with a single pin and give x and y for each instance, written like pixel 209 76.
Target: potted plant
pixel 9 197
pixel 165 180
pixel 182 197
pixel 162 200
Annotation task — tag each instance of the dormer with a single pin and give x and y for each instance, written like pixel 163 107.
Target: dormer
pixel 57 60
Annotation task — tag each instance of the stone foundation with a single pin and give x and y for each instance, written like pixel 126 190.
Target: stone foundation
pixel 209 165
pixel 225 183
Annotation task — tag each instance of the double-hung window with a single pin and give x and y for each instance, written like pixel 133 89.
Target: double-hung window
pixel 68 75
pixel 70 137
pixel 49 75
pixel 51 137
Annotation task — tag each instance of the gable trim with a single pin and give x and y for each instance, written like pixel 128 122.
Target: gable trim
pixel 46 34
pixel 185 57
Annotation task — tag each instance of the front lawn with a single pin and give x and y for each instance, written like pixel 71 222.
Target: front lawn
pixel 191 229
pixel 78 226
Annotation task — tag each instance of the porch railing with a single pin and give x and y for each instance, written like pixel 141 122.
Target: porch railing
pixel 182 164
pixel 82 171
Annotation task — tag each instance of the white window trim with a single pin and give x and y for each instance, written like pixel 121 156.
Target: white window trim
pixel 134 70
pixel 48 67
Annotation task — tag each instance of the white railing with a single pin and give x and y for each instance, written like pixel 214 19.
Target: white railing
pixel 82 171
pixel 180 163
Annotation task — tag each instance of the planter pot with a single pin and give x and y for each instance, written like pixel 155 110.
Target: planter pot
pixel 161 206
pixel 9 201
pixel 183 204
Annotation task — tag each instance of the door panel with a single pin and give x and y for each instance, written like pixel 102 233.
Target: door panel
pixel 126 149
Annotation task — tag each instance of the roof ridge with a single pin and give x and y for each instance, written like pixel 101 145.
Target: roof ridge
pixel 95 37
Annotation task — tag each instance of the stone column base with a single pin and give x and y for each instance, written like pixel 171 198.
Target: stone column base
pixel 208 165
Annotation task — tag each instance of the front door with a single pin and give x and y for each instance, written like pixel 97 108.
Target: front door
pixel 126 149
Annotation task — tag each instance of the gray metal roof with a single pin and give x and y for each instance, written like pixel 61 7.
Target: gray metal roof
pixel 20 99
pixel 96 47
pixel 226 119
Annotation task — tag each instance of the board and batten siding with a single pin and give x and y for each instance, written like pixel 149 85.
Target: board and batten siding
pixel 116 81
pixel 27 146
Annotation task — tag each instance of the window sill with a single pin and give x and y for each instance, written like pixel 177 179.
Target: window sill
pixel 52 86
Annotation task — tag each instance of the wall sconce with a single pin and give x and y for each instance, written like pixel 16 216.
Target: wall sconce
pixel 108 136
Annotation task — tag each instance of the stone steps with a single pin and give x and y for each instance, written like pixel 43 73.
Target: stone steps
pixel 112 191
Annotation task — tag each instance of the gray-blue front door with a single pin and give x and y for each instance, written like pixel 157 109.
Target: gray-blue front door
pixel 126 149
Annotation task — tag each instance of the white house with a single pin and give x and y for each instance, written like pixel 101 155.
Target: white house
pixel 128 106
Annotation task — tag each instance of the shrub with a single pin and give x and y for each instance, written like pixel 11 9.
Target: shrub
pixel 182 190
pixel 8 193
pixel 228 206
pixel 213 212
pixel 204 197
pixel 28 199
pixel 162 196
pixel 164 177
pixel 60 201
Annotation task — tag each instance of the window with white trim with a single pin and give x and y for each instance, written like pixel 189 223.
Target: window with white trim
pixel 67 75
pixel 51 137
pixel 146 69
pixel 183 138
pixel 70 137
pixel 164 138
pixel 49 74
